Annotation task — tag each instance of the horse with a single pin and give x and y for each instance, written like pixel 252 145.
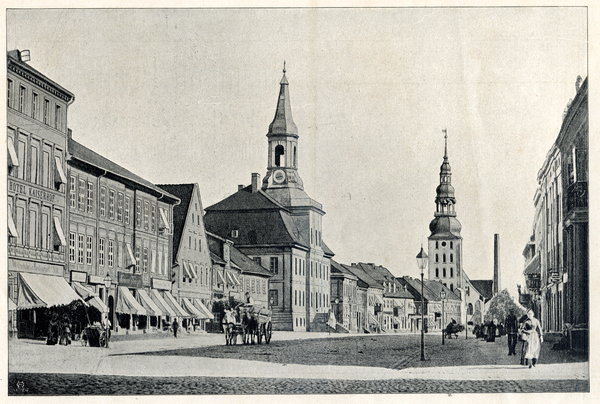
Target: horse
pixel 228 324
pixel 453 328
pixel 249 326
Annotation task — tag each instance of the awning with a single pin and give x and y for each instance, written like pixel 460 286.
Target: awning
pixel 163 216
pixel 397 320
pixel 379 299
pixel 235 279
pixel 37 290
pixel 200 306
pixel 161 304
pixel 11 305
pixel 59 232
pixel 179 311
pixel 130 252
pixel 231 281
pixel 191 309
pixel 193 270
pixel 373 320
pixel 59 174
pixel 221 277
pixel 89 296
pixel 12 153
pixel 11 226
pixel 151 308
pixel 398 303
pixel 127 304
pixel 185 268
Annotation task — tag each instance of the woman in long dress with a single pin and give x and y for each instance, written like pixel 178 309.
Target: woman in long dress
pixel 533 339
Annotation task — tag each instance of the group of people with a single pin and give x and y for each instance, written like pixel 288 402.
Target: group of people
pixel 59 331
pixel 528 330
pixel 489 331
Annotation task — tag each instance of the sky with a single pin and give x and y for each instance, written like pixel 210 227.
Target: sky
pixel 187 95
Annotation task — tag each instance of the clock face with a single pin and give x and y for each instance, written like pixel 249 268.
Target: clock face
pixel 278 176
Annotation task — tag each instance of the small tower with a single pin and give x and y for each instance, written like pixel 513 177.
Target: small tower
pixel 445 249
pixel 282 169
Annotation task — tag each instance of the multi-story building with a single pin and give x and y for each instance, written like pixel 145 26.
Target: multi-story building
pixel 191 266
pixel 372 301
pixel 280 226
pixel 120 226
pixel 428 304
pixel 344 298
pixel 36 193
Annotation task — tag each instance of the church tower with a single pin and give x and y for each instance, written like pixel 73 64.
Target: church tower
pixel 445 241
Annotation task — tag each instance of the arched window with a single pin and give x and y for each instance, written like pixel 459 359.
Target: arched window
pixel 295 158
pixel 470 309
pixel 451 257
pixel 437 272
pixel 279 151
pixel 451 244
pixel 437 258
pixel 452 287
pixel 444 257
pixel 451 272
pixel 444 272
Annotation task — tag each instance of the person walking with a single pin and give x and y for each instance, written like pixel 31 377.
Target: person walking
pixel 491 336
pixel 511 326
pixel 533 339
pixel 175 327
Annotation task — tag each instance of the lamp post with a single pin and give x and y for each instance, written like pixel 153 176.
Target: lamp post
pixel 107 283
pixel 422 263
pixel 443 296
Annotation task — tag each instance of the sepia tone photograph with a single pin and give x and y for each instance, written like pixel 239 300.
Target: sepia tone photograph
pixel 298 201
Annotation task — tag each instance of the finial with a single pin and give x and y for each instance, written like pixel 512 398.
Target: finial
pixel 284 67
pixel 445 143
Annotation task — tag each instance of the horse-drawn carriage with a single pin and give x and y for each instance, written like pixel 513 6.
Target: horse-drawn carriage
pixel 453 329
pixel 249 322
pixel 94 335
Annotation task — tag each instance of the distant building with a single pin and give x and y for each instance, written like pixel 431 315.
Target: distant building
pixel 279 226
pixel 373 304
pixel 344 298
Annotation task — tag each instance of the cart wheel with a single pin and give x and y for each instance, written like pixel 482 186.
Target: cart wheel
pixel 83 338
pixel 268 332
pixel 102 340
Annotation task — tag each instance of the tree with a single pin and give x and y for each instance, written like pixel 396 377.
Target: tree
pixel 500 306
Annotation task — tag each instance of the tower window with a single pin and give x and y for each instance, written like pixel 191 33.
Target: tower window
pixel 451 257
pixel 295 158
pixel 451 272
pixel 437 272
pixel 436 245
pixel 437 258
pixel 444 272
pixel 279 151
pixel 444 257
pixel 451 244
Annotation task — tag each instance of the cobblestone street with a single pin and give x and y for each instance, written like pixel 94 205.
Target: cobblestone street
pixel 305 364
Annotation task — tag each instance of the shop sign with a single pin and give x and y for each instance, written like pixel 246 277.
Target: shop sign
pixel 30 191
pixel 77 276
pixel 161 284
pixel 130 280
pixel 96 279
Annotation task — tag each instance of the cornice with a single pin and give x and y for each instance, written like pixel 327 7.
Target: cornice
pixel 39 81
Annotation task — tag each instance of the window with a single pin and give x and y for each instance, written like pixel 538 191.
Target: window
pixel 102 201
pixel 22 99
pixel 33 164
pixel 101 252
pixel 273 300
pixel 279 151
pixel 295 266
pixel 296 300
pixel 45 233
pixel 57 117
pixel 21 156
pixel 146 214
pixel 81 195
pixel 71 247
pixel 451 257
pixel 111 251
pixel 451 272
pixel 253 286
pixel 436 245
pixel 195 244
pixel 444 257
pixel 88 251
pixel 451 245
pixel 34 105
pixel 145 262
pixel 153 219
pixel 190 242
pixel 80 248
pixel 33 235
pixel 264 286
pixel 193 219
pixel 46 166
pixel 137 258
pixel 444 272
pixel 73 192
pixel 46 111
pixel 274 265
pixel 120 207
pixel 111 204
pixel 127 203
pixel 257 260
pixel 9 92
pixel 90 197
pixel 437 258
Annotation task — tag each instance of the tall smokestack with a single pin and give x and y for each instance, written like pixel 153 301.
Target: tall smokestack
pixel 496 264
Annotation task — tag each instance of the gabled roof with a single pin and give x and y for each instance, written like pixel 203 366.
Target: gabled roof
pixel 484 287
pixel 247 264
pixel 83 154
pixel 337 268
pixel 399 293
pixel 414 286
pixel 364 276
pixel 216 259
pixel 436 287
pixel 246 200
pixel 184 192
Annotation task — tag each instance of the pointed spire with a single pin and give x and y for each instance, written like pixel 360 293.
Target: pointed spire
pixel 283 123
pixel 445 144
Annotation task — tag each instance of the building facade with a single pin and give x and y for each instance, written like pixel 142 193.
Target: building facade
pixel 280 226
pixel 36 190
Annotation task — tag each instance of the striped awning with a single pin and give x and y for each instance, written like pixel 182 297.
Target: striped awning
pixel 151 308
pixel 90 296
pixel 221 277
pixel 36 290
pixel 127 304
pixel 179 311
pixel 162 304
pixel 187 304
pixel 185 268
pixel 200 306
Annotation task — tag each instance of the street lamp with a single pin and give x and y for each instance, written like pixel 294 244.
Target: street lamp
pixel 422 263
pixel 107 283
pixel 443 296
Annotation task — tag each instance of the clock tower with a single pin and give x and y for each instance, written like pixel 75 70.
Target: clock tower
pixel 445 241
pixel 282 169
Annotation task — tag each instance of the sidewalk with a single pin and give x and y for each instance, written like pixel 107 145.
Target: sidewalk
pixel 28 356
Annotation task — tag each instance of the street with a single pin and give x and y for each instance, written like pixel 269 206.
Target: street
pixel 294 363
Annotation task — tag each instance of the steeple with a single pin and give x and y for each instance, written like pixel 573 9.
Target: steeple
pixel 283 123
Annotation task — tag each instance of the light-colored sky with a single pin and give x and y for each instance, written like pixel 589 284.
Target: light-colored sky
pixel 187 96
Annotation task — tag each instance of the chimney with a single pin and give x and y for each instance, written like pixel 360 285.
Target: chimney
pixel 255 181
pixel 578 84
pixel 240 187
pixel 496 264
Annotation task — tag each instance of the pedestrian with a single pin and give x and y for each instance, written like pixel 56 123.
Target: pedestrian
pixel 533 339
pixel 53 330
pixel 512 327
pixel 175 327
pixel 491 335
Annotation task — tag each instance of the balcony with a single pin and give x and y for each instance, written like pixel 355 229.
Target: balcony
pixel 533 283
pixel 577 196
pixel 36 254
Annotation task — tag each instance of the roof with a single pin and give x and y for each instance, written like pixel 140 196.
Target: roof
pixel 337 268
pixel 361 274
pixel 414 286
pixel 436 287
pixel 282 122
pixel 246 200
pixel 88 156
pixel 184 192
pixel 247 264
pixel 216 259
pixel 484 287
pixel 399 293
